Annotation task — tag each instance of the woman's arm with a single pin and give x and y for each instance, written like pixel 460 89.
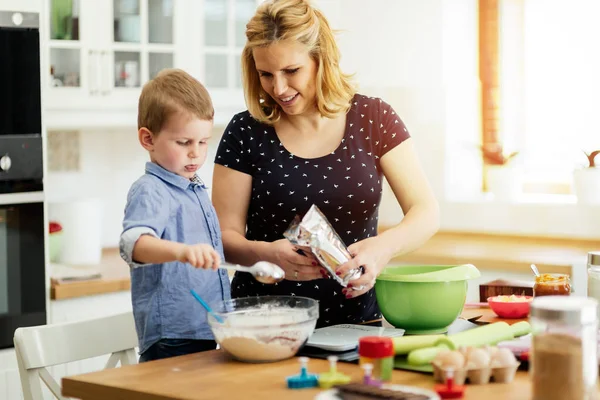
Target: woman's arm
pixel 231 192
pixel 403 171
pixel 405 175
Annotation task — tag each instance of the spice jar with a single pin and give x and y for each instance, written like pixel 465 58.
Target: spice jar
pixel 564 353
pixel 552 285
pixel 379 351
pixel 593 264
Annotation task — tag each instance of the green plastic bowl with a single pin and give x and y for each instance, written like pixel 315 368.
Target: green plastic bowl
pixel 423 299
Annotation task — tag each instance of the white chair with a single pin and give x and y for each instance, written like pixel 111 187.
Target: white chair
pixel 38 347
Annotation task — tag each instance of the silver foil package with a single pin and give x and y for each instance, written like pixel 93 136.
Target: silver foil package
pixel 314 231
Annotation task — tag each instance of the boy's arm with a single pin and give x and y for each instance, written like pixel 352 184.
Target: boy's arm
pixel 152 250
pixel 146 216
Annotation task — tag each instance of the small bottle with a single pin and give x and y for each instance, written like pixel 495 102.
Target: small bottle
pixel 593 270
pixel 564 348
pixel 379 351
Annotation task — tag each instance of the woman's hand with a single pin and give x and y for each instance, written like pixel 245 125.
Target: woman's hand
pixel 297 267
pixel 373 255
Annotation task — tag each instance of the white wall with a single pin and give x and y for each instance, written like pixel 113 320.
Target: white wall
pixel 110 161
pixel 421 57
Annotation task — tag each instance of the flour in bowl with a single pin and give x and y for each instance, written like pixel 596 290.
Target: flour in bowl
pixel 264 334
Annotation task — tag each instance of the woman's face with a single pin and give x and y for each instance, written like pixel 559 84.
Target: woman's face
pixel 288 74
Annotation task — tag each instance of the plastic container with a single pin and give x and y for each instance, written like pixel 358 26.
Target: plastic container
pixel 552 285
pixel 379 351
pixel 593 264
pixel 564 351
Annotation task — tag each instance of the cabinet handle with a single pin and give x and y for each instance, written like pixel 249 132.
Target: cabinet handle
pixel 105 73
pixel 92 81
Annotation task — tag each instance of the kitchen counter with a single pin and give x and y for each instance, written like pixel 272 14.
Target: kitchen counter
pixel 502 253
pixel 113 277
pixel 486 252
pixel 214 375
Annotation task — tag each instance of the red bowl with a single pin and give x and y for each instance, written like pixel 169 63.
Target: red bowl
pixel 510 309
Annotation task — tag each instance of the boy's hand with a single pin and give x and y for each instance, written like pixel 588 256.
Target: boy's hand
pixel 200 256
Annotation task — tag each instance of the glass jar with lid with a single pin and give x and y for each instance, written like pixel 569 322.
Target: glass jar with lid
pixel 564 350
pixel 552 285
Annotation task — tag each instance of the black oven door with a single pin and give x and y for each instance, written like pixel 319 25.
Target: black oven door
pixel 22 271
pixel 20 101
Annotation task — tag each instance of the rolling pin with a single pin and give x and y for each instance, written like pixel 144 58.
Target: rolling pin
pixel 406 344
pixel 480 336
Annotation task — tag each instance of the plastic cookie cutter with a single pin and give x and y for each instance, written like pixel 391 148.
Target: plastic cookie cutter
pixel 368 375
pixel 449 390
pixel 332 377
pixel 303 379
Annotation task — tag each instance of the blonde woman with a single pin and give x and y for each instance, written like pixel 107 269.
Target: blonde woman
pixel 309 138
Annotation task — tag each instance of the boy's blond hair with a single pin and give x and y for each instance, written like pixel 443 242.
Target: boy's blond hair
pixel 296 20
pixel 172 91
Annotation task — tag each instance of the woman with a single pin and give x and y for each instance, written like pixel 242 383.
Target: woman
pixel 308 138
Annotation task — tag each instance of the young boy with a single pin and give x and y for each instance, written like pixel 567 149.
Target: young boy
pixel 171 237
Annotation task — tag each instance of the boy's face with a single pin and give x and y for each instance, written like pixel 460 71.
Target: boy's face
pixel 181 145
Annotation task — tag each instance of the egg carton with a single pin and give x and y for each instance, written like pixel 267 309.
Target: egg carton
pixel 476 376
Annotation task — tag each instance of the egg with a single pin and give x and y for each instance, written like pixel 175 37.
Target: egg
pixel 450 359
pixel 503 358
pixel 478 358
pixel 491 350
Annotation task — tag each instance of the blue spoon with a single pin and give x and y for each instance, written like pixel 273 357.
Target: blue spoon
pixel 206 306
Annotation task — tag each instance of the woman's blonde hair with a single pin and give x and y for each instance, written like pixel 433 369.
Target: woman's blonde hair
pixel 297 20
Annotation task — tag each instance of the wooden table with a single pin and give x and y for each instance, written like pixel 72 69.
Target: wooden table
pixel 214 375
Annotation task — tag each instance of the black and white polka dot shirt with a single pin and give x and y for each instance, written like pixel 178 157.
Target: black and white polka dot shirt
pixel 345 184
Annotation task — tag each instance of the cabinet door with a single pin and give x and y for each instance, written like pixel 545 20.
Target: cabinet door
pixel 65 50
pixel 144 43
pixel 120 45
pixel 223 33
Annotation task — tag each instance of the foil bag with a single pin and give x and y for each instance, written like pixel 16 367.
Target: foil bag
pixel 314 231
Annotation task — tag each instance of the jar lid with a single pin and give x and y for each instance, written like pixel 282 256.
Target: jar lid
pixel 594 258
pixel 375 346
pixel 566 309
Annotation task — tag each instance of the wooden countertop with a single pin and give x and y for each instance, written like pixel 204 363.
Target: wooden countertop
pixel 486 252
pixel 502 253
pixel 114 277
pixel 214 375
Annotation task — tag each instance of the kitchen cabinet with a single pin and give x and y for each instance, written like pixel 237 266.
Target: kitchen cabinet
pixel 96 55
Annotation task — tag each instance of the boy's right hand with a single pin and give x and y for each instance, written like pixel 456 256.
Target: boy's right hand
pixel 200 256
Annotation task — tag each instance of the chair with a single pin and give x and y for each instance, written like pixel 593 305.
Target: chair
pixel 38 347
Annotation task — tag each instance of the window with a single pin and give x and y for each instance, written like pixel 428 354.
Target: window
pixel 547 69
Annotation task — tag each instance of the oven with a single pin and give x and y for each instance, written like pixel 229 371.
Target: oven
pixel 22 222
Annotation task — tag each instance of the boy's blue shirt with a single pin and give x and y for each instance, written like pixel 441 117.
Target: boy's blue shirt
pixel 171 207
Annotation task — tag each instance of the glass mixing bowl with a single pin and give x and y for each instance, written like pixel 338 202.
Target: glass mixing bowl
pixel 265 328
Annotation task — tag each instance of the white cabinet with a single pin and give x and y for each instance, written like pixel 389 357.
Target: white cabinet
pixel 97 54
pixel 223 36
